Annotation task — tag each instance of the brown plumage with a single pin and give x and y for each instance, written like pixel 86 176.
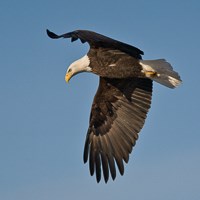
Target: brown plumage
pixel 117 63
pixel 122 101
pixel 118 113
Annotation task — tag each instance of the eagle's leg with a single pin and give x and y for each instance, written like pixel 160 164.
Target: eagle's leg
pixel 150 74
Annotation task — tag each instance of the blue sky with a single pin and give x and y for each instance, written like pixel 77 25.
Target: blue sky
pixel 43 120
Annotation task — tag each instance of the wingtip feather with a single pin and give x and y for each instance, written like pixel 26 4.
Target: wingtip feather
pixel 52 35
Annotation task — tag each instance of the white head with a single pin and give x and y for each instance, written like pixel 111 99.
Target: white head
pixel 81 65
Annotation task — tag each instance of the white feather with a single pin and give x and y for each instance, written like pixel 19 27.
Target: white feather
pixel 160 71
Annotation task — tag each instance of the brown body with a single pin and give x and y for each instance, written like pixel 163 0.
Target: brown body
pixel 116 64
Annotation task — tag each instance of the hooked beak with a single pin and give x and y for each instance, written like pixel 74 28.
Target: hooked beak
pixel 68 76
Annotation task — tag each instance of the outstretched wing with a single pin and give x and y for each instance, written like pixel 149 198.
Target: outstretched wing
pixel 118 113
pixel 96 40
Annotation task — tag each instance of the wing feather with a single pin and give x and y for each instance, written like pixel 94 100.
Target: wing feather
pixel 109 153
pixel 118 113
pixel 97 40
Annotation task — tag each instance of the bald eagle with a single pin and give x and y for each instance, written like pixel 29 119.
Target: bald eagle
pixel 122 101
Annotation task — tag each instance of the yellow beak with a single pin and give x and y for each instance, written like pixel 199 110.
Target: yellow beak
pixel 68 77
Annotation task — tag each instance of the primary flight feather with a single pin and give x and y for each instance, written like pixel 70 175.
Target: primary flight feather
pixel 122 101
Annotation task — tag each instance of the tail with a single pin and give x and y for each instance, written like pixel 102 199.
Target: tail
pixel 161 71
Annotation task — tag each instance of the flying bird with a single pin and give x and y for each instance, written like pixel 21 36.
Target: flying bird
pixel 122 100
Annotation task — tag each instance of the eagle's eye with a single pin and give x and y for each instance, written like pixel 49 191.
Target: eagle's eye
pixel 69 70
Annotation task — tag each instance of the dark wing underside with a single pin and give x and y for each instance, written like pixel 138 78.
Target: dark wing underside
pixel 118 113
pixel 96 40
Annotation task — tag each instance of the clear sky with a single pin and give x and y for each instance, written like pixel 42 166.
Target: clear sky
pixel 43 120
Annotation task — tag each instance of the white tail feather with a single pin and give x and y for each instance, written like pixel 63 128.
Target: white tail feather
pixel 161 71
